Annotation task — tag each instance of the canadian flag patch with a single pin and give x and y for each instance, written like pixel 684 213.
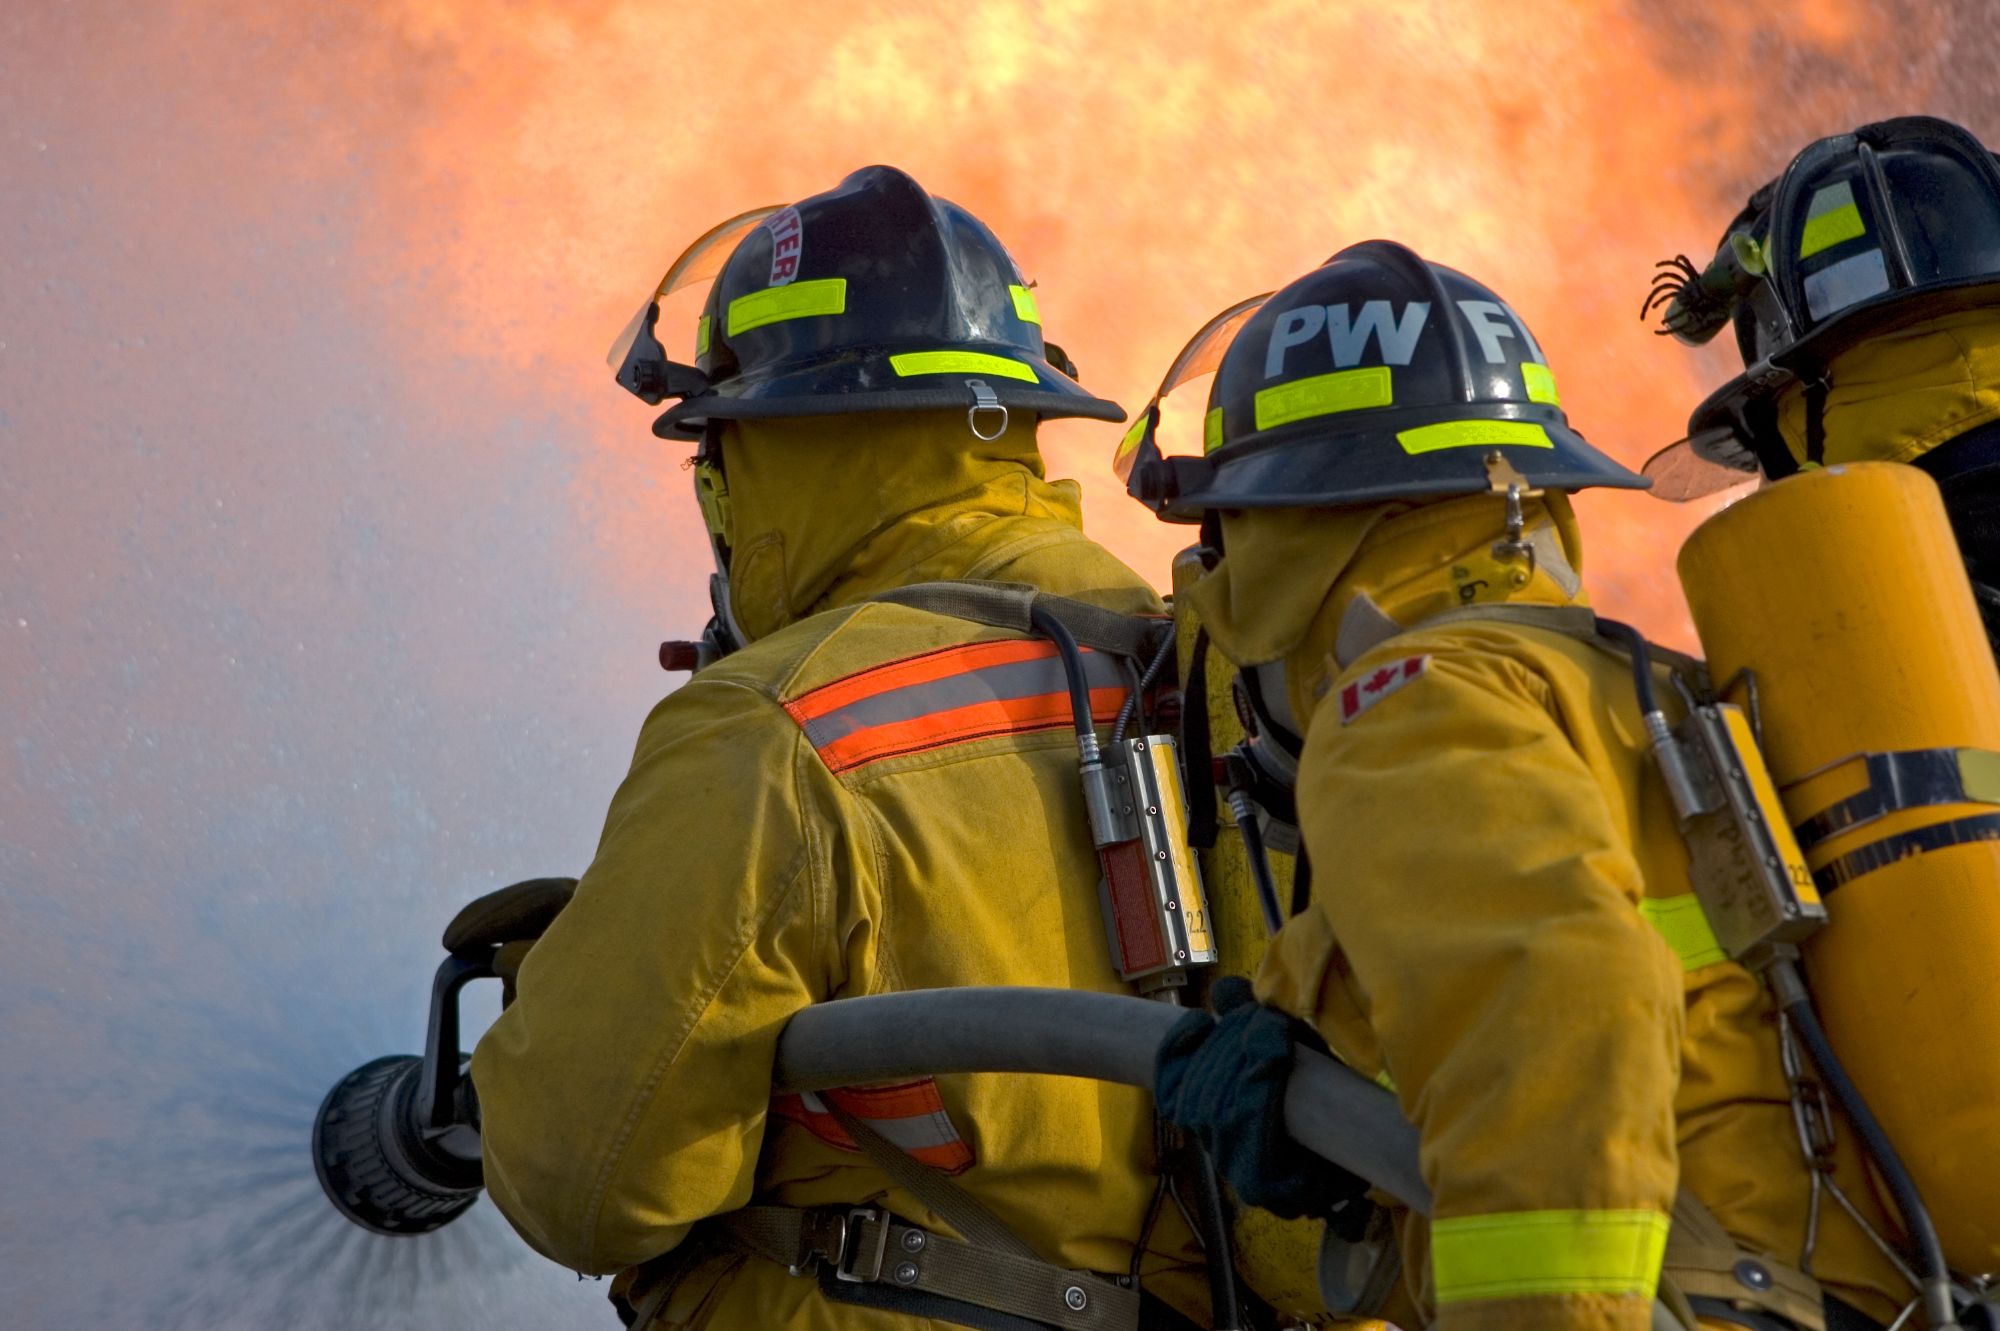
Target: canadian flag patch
pixel 1361 694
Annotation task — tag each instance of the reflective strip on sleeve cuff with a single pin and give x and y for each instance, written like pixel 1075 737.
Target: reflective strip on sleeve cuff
pixel 1685 928
pixel 1520 1253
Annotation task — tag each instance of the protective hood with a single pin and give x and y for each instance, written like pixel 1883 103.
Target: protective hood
pixel 1318 588
pixel 827 511
pixel 1895 397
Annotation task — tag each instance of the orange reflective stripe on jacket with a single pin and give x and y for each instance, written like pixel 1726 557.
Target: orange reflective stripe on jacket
pixel 950 696
pixel 911 1114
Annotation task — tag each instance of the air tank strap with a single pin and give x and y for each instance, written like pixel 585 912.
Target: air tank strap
pixel 1880 854
pixel 1908 779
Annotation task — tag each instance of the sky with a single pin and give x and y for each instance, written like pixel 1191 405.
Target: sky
pixel 333 564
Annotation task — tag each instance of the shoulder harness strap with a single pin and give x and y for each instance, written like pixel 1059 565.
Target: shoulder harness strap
pixel 1572 621
pixel 1007 605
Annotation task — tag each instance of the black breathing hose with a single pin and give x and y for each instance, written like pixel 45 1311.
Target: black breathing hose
pixel 1259 857
pixel 1935 1287
pixel 1151 673
pixel 1057 632
pixel 1212 1217
pixel 1642 661
pixel 1225 1300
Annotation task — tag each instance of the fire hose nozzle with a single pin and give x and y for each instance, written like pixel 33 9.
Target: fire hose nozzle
pixel 396 1143
pixel 379 1166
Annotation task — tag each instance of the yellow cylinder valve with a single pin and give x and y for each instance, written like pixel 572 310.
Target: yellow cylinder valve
pixel 1841 590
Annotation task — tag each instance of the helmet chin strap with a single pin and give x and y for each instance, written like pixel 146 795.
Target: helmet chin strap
pixel 1270 748
pixel 1271 701
pixel 723 634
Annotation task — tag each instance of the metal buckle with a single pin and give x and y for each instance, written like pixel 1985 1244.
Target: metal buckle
pixel 845 1266
pixel 823 1240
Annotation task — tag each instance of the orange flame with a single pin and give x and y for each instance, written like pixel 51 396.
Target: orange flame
pixel 1147 165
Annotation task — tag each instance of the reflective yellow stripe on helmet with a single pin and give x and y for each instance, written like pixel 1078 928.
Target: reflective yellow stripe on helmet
pixel 1540 382
pixel 1473 434
pixel 1324 394
pixel 701 330
pixel 1211 430
pixel 1025 308
pixel 1519 1253
pixel 959 362
pixel 1831 217
pixel 1129 445
pixel 799 300
pixel 1685 928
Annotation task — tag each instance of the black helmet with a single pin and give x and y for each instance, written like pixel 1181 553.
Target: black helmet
pixel 873 296
pixel 1376 376
pixel 1863 234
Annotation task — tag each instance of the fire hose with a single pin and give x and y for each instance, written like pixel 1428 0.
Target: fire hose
pixel 396 1141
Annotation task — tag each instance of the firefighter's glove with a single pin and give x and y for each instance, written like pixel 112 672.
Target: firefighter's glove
pixel 1222 1077
pixel 509 920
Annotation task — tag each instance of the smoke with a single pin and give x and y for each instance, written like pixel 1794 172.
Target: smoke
pixel 333 561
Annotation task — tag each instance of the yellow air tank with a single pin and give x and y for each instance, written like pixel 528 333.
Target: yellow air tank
pixel 1842 589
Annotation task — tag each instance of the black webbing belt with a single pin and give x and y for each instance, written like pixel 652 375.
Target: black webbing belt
pixel 863 1254
pixel 866 1245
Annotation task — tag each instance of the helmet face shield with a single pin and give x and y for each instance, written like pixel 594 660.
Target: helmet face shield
pixel 1202 355
pixel 1697 468
pixel 637 357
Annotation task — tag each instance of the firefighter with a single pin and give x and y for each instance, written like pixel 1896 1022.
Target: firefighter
pixel 1863 284
pixel 1502 926
pixel 852 796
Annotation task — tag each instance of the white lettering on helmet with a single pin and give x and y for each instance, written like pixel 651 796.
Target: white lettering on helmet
pixel 787 235
pixel 1398 335
pixel 1347 336
pixel 1490 322
pixel 1294 327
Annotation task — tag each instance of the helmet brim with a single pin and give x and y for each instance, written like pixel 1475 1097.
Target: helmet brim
pixel 869 381
pixel 1286 469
